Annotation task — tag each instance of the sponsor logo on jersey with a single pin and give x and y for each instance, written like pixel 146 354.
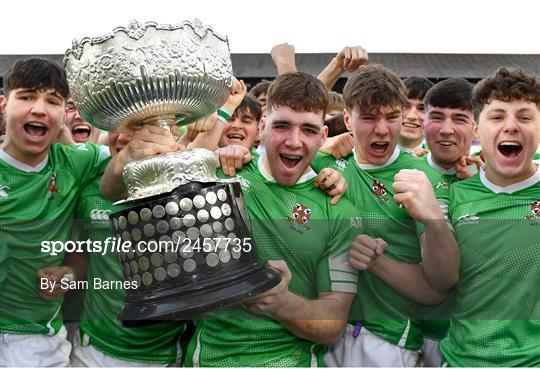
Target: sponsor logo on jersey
pixel 534 217
pixel 341 164
pixel 3 192
pixel 467 219
pixel 442 184
pixel 300 217
pixel 100 215
pixel 244 183
pixel 379 189
pixel 82 147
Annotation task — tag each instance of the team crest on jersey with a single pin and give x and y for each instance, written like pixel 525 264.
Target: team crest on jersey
pixel 534 217
pixel 300 217
pixel 379 189
pixel 51 190
pixel 3 192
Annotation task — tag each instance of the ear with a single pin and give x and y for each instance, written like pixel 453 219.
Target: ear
pixel 347 120
pixel 324 133
pixel 476 136
pixel 3 103
pixel 262 127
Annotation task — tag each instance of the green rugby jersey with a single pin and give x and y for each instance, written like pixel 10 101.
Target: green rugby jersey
pixel 39 206
pixel 99 325
pixel 382 310
pixel 299 225
pixel 436 319
pixel 496 321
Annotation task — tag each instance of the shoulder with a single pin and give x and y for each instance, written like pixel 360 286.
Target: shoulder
pixel 79 152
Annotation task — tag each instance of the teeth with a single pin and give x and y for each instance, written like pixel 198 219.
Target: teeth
pixel 445 143
pixel 291 157
pixel 510 143
pixel 39 125
pixel 411 125
pixel 81 127
pixel 380 143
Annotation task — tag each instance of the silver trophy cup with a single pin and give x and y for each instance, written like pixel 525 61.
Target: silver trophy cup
pixel 169 75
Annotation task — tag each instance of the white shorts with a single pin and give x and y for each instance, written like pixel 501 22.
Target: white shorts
pixel 431 354
pixel 34 350
pixel 87 356
pixel 368 350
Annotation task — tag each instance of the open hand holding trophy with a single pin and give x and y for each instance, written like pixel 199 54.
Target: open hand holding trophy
pixel 168 75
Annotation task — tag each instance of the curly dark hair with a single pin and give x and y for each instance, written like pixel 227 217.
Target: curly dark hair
pixel 506 85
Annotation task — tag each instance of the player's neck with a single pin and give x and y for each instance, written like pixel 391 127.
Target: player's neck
pixel 409 143
pixel 31 160
pixel 502 181
pixel 444 166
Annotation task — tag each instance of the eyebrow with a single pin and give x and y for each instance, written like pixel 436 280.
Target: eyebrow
pixel 305 124
pixel 526 110
pixel 460 115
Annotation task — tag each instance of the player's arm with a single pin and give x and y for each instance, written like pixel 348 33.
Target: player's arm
pixel 338 146
pixel 366 253
pixel 322 320
pixel 147 141
pixel 207 133
pixel 348 59
pixel 283 56
pixel 440 254
pixel 74 269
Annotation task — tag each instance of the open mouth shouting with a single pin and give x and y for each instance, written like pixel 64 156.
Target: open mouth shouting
pixel 235 137
pixel 35 129
pixel 81 132
pixel 510 149
pixel 380 148
pixel 290 161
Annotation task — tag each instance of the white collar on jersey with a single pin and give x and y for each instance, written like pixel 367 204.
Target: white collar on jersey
pixel 390 160
pixel 20 165
pixel 513 187
pixel 305 177
pixel 440 169
pixel 452 171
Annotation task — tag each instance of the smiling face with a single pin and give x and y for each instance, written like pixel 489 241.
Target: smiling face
pixel 292 139
pixel 33 120
pixel 449 134
pixel 81 130
pixel 241 130
pixel 411 134
pixel 509 134
pixel 375 133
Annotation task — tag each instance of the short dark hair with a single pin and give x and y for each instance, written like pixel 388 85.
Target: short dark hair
pixel 249 105
pixel 417 87
pixel 373 87
pixel 260 88
pixel 506 85
pixel 299 91
pixel 454 93
pixel 336 125
pixel 36 73
pixel 336 101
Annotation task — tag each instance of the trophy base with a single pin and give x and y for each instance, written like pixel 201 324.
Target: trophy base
pixel 189 302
